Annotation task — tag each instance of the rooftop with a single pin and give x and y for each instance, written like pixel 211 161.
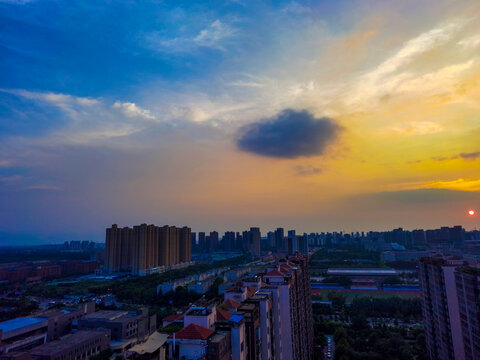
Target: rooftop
pixel 274 273
pixel 154 342
pixel 110 315
pixel 251 291
pixel 360 271
pixel 223 314
pixel 231 303
pixel 19 323
pixel 217 337
pixel 173 317
pixel 236 318
pixel 199 311
pixel 52 313
pixel 67 341
pixel 194 332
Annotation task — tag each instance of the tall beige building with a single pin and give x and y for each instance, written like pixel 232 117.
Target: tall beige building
pixel 144 247
pixel 118 249
pixel 185 244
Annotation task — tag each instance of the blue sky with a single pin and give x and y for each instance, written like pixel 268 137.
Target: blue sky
pixel 133 111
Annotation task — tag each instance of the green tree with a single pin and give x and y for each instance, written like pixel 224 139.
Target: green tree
pixel 337 299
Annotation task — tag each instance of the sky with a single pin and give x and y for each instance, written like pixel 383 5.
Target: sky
pixel 344 115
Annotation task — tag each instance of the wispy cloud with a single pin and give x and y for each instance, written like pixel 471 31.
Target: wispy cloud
pixel 307 170
pixel 396 76
pixel 470 156
pixel 415 47
pixel 90 119
pixel 470 42
pixel 458 184
pixel 68 103
pixel 133 110
pixel 417 128
pixel 10 178
pixel 216 36
pixel 43 187
pixel 296 8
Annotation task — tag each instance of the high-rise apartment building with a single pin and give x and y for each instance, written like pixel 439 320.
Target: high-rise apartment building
pixel 193 239
pixel 228 241
pixel 292 279
pixel 146 247
pixel 254 245
pixel 280 239
pixel 302 244
pixel 118 249
pixel 440 308
pixel 270 240
pixel 468 289
pixel 202 242
pixel 291 246
pixel 212 243
pixel 185 244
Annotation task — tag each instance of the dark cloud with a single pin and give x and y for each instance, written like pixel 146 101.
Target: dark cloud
pixel 290 134
pixel 469 156
pixel 305 170
pixel 465 156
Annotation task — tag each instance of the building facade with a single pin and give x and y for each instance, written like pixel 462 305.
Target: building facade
pixel 145 247
pixel 468 290
pixel 440 308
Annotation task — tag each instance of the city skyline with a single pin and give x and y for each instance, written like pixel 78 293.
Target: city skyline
pixel 328 116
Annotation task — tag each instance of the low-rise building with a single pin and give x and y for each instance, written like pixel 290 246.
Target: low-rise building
pixel 123 324
pixel 22 334
pixel 251 313
pixel 201 315
pixel 219 346
pixel 62 321
pixel 80 345
pixel 191 343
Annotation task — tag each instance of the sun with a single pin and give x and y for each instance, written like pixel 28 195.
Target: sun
pixel 471 212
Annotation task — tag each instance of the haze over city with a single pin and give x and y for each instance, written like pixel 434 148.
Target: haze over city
pixel 314 115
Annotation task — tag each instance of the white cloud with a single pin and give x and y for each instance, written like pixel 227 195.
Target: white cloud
pixel 296 8
pixel 248 84
pixel 68 103
pixel 214 36
pixel 415 47
pixel 302 88
pixel 133 110
pixel 54 98
pixel 91 120
pixel 395 75
pixel 11 178
pixel 418 128
pixel 470 42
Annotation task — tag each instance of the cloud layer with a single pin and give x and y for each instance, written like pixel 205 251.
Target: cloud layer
pixel 290 134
